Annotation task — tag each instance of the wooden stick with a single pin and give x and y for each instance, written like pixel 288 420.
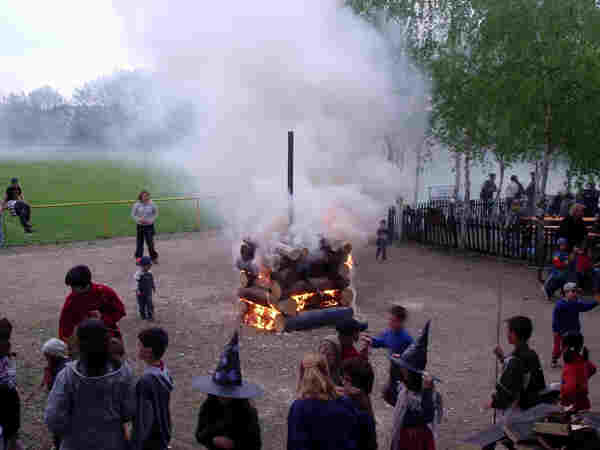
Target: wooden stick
pixel 498 320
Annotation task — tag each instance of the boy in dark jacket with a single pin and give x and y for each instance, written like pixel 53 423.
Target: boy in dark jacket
pixel 145 287
pixel 152 424
pixel 522 376
pixel 565 317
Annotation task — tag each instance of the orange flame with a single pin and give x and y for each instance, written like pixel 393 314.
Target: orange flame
pixel 259 316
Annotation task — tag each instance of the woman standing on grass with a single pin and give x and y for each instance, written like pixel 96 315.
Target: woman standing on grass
pixel 145 212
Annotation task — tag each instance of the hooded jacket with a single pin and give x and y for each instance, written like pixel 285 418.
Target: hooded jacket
pixel 152 424
pixel 89 412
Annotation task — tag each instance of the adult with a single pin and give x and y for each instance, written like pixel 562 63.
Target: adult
pixel 319 419
pixel 590 200
pixel 10 412
pixel 554 209
pixel 513 192
pixel 488 188
pixel 530 193
pixel 145 212
pixel 88 300
pixel 487 192
pixel 572 227
pixel 15 200
pixel 92 397
pixel 568 200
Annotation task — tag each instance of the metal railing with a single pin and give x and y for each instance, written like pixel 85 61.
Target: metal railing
pixel 108 218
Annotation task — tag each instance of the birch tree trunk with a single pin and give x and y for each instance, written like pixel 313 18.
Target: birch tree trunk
pixel 548 150
pixel 457 174
pixel 467 177
pixel 418 170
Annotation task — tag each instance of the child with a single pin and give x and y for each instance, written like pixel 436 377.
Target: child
pixel 418 408
pixel 396 340
pixel 582 264
pixel 382 241
pixel 522 377
pixel 358 384
pixel 116 350
pixel 349 333
pixel 92 398
pixel 565 317
pixel 227 419
pixel 578 369
pixel 145 288
pixel 88 300
pixel 152 425
pixel 560 270
pixel 55 352
pixel 10 412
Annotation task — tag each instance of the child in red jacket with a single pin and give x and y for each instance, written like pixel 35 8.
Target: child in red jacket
pixel 576 373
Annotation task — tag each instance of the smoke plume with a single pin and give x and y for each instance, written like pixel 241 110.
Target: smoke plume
pixel 258 69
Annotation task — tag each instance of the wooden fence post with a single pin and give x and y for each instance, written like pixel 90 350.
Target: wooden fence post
pixel 197 215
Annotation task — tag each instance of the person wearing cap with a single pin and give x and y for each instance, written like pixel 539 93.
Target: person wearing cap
pixel 15 200
pixel 145 287
pixel 349 332
pixel 92 397
pixel 227 419
pixel 88 300
pixel 560 269
pixel 565 317
pixel 55 352
pixel 572 228
pixel 418 408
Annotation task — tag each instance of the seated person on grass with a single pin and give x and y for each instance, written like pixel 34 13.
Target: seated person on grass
pixel 14 200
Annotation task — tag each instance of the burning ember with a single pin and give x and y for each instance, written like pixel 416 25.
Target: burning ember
pixel 289 281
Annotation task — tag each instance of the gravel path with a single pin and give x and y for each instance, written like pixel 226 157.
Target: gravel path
pixel 196 306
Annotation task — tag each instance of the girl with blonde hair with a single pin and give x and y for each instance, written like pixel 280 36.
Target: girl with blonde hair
pixel 318 410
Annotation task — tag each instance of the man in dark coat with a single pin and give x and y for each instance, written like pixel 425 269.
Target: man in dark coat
pixel 590 200
pixel 15 200
pixel 572 227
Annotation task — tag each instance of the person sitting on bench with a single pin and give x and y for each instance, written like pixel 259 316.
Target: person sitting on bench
pixel 15 202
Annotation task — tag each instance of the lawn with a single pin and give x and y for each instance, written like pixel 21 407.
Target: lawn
pixel 91 180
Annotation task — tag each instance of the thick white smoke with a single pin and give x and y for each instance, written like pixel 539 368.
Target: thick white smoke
pixel 258 69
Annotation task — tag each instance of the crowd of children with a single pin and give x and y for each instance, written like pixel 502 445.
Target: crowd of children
pixel 94 401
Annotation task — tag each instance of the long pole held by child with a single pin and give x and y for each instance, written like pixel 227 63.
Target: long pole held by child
pixel 498 320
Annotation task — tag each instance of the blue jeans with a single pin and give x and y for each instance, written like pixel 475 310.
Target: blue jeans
pixel 554 282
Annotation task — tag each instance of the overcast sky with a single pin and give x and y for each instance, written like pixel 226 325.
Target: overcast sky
pixel 61 43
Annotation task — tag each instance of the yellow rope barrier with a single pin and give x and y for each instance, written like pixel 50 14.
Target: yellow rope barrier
pixel 118 202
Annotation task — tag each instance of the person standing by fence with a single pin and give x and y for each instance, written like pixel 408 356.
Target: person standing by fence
pixel 487 192
pixel 145 212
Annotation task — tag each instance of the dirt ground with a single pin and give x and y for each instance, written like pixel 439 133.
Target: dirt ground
pixel 195 304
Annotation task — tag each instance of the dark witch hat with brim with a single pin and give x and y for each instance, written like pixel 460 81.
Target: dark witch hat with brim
pixel 227 380
pixel 414 358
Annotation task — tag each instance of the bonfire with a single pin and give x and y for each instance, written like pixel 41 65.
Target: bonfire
pixel 286 281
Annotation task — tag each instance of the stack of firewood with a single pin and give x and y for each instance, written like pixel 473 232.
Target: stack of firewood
pixel 543 427
pixel 293 279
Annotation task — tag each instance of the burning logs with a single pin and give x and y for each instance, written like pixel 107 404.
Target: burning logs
pixel 319 318
pixel 289 281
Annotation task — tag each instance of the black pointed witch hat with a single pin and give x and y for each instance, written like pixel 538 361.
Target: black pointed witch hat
pixel 414 358
pixel 227 380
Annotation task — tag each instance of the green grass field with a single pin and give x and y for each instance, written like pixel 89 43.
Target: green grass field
pixel 102 179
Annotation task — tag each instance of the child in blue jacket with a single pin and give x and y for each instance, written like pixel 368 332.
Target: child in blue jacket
pixel 396 340
pixel 560 269
pixel 565 317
